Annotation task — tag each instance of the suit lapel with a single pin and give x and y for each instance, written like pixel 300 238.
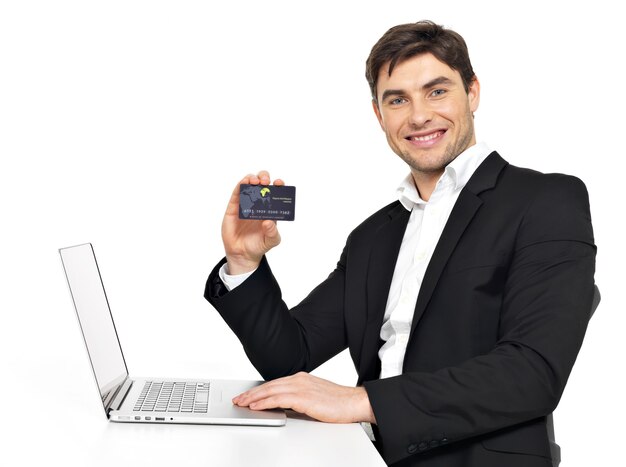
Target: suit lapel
pixel 462 214
pixel 382 262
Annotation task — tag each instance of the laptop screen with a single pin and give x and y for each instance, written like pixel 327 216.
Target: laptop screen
pixel 94 316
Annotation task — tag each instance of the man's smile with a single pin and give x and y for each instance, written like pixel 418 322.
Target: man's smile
pixel 425 139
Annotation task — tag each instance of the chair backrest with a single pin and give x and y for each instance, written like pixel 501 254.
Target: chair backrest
pixel 596 299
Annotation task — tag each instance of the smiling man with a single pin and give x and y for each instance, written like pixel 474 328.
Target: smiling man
pixel 464 303
pixel 427 115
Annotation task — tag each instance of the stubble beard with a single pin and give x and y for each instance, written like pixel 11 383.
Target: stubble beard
pixel 432 165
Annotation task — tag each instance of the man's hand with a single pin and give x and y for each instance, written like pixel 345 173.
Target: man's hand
pixel 246 241
pixel 315 397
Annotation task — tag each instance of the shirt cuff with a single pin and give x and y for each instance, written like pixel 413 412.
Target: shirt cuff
pixel 231 282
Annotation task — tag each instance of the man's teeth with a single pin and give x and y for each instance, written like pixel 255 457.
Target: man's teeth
pixel 427 137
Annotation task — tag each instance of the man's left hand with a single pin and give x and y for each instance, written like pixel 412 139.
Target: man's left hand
pixel 315 397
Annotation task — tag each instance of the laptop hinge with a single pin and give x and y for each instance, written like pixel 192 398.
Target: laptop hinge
pixel 119 396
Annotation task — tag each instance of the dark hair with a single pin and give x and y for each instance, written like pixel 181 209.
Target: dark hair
pixel 408 40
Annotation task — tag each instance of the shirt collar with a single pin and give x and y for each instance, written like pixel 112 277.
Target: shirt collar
pixel 457 173
pixel 463 167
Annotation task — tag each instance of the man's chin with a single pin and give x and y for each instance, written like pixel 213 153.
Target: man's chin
pixel 427 166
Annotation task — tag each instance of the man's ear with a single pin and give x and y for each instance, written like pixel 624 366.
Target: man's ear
pixel 473 95
pixel 378 114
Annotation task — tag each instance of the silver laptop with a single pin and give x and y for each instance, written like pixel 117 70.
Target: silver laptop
pixel 151 400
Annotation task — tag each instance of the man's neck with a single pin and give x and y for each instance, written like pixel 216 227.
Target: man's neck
pixel 426 182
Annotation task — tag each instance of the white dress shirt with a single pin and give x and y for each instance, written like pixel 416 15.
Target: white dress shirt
pixel 423 230
pixel 232 281
pixel 420 238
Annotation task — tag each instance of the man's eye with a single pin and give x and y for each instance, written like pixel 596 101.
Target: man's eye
pixel 438 92
pixel 397 101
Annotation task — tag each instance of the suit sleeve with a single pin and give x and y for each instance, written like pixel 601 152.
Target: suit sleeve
pixel 545 309
pixel 279 341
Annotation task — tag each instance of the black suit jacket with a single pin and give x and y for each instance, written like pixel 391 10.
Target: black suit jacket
pixel 498 323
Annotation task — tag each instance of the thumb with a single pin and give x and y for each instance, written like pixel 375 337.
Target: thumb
pixel 272 235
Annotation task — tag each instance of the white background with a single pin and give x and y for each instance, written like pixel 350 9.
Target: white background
pixel 128 123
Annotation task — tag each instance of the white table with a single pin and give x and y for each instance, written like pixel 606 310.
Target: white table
pixel 70 441
pixel 68 428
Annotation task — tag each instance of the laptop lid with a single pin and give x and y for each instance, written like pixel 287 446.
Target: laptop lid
pixel 95 319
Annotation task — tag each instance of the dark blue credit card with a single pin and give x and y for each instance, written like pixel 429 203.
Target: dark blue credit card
pixel 260 202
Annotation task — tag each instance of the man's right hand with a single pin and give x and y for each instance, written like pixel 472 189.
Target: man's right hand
pixel 246 241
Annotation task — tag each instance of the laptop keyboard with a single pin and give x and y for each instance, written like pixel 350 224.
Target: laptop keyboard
pixel 170 396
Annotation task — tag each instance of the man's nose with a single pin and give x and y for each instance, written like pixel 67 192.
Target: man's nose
pixel 421 114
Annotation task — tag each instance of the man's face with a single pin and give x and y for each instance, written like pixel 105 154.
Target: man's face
pixel 425 113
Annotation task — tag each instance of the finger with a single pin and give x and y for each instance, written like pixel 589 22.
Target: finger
pixel 244 399
pixel 271 229
pixel 270 389
pixel 253 395
pixel 278 385
pixel 264 177
pixel 276 402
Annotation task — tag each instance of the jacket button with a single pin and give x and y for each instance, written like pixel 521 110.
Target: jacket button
pixel 433 444
pixel 422 446
pixel 412 448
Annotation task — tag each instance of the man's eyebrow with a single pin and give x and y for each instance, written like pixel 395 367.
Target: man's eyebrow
pixel 437 81
pixel 392 92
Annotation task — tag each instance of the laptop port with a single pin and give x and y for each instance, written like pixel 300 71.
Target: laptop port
pixel 160 419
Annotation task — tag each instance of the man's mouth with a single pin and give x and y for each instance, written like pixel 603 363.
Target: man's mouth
pixel 426 140
pixel 430 137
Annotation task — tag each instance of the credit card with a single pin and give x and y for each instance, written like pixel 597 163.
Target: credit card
pixel 260 202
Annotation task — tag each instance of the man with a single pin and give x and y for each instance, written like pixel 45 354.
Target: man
pixel 463 304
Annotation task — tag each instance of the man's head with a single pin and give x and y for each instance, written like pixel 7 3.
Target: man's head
pixel 424 93
pixel 408 40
